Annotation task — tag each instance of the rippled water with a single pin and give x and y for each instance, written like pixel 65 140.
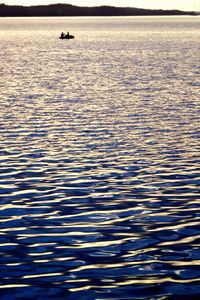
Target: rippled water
pixel 99 158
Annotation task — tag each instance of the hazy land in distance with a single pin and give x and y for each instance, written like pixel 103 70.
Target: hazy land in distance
pixel 56 10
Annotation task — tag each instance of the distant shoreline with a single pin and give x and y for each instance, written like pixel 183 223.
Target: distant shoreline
pixel 67 10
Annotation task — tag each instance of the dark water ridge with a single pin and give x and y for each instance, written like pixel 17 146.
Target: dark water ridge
pixel 99 166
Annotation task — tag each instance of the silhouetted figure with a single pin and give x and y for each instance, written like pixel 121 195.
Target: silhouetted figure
pixel 66 36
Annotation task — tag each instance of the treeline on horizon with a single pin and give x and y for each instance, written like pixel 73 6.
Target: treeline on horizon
pixel 61 10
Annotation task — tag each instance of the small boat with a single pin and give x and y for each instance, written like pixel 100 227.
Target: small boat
pixel 67 36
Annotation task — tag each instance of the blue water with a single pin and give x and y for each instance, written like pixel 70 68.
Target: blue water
pixel 99 158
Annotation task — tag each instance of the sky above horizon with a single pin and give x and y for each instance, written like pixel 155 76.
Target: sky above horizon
pixel 152 4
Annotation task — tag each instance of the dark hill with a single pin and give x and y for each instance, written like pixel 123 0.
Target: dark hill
pixel 71 10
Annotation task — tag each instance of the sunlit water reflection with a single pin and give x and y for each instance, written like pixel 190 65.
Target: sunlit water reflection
pixel 99 158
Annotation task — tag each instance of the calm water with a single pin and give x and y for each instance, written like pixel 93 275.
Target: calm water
pixel 100 158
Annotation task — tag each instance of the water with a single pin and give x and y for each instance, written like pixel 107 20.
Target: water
pixel 99 158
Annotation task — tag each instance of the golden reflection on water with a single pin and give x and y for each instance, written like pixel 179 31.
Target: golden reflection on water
pixel 13 286
pixel 181 241
pixel 42 275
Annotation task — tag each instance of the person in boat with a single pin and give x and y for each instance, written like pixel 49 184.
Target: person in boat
pixel 68 35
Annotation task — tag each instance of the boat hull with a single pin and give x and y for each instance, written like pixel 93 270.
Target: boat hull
pixel 66 37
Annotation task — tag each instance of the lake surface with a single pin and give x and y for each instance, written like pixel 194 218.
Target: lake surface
pixel 99 158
